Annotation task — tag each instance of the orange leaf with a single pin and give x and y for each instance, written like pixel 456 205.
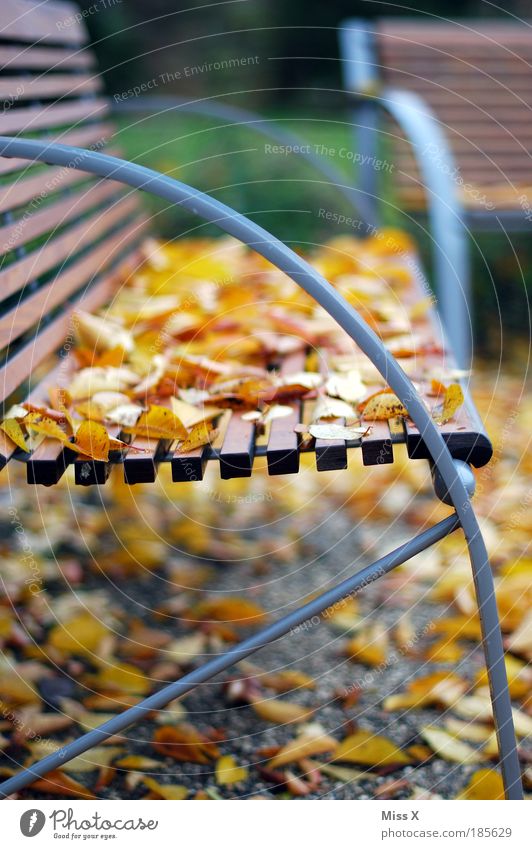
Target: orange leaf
pixel 92 440
pixel 159 423
pixel 184 743
pixel 201 434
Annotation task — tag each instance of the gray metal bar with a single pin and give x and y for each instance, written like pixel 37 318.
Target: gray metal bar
pixel 449 234
pixel 234 655
pixel 265 127
pixel 317 287
pixel 361 79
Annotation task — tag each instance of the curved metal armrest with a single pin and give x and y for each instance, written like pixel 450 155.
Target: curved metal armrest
pixel 316 286
pixel 266 127
pixel 437 166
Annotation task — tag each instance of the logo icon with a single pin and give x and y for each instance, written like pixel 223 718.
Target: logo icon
pixel 32 822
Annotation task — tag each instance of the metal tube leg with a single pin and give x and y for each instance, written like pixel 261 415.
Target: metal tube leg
pixel 497 678
pixel 238 652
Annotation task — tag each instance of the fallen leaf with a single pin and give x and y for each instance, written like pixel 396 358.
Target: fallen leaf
pixel 13 430
pixel 184 743
pixel 448 747
pixel 381 406
pixel 336 431
pixel 280 712
pixel 312 740
pixel 172 792
pixel 452 401
pixel 364 747
pixel 484 784
pixel 159 423
pixel 228 772
pixel 201 434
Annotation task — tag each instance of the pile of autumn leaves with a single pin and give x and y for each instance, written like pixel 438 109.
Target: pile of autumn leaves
pixel 203 328
pixel 172 347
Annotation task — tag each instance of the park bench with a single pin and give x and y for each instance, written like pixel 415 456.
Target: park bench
pixel 73 231
pixel 449 102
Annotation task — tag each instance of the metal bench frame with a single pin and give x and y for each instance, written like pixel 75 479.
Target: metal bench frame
pixel 450 222
pixel 454 482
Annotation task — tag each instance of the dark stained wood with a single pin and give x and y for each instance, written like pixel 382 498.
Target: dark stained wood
pixel 190 467
pixel 377 449
pixel 331 454
pixel 48 463
pixel 465 441
pixel 282 453
pixel 237 452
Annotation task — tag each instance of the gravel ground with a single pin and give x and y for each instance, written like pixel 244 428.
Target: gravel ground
pixel 338 550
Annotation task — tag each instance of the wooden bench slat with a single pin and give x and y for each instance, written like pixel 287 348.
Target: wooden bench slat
pixel 24 190
pixel 44 22
pixel 45 58
pixel 53 215
pixel 30 118
pixel 377 446
pixel 238 449
pixel 21 365
pixel 48 86
pixel 90 136
pixel 31 310
pixel 282 452
pixel 465 440
pixel 63 247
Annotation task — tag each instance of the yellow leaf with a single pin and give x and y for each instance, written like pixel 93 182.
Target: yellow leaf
pixel 452 401
pixel 228 772
pixel 382 406
pixel 14 690
pixel 101 334
pixel 92 440
pixel 484 784
pixel 191 415
pixel 274 710
pixel 95 758
pixel 159 423
pixel 370 646
pixel 449 747
pixel 311 741
pixel 12 429
pixel 364 747
pixel 80 635
pixel 238 611
pixel 173 792
pixel 137 762
pixel 41 423
pixel 122 677
pixel 201 434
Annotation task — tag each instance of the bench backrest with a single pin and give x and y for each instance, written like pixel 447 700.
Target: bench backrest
pixel 476 76
pixel 66 240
